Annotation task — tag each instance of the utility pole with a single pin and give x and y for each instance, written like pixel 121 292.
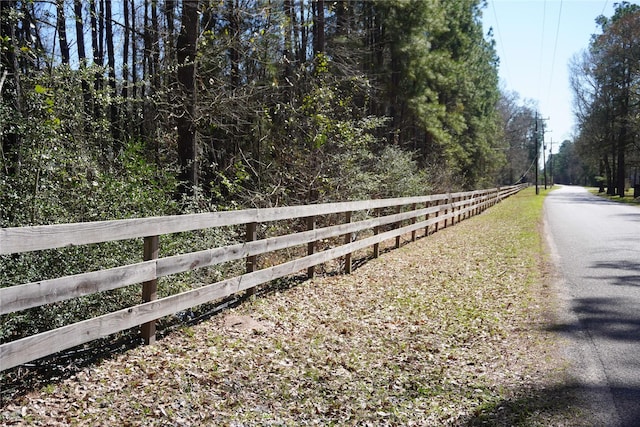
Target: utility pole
pixel 535 136
pixel 544 160
pixel 544 150
pixel 551 161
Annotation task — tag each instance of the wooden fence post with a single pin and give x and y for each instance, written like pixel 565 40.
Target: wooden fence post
pixel 453 211
pixel 348 238
pixel 446 211
pixel 251 262
pixel 468 207
pixel 413 221
pixel 150 289
pixel 435 229
pixel 398 225
pixel 311 246
pixel 376 230
pixel 426 218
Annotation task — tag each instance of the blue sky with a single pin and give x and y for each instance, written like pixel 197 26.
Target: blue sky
pixel 527 34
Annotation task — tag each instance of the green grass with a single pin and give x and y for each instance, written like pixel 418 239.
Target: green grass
pixel 628 196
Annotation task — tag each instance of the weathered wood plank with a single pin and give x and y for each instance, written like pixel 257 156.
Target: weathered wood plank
pixel 185 262
pixel 22 297
pixel 25 239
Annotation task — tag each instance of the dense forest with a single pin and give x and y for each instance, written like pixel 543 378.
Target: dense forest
pixel 114 109
pixel 607 105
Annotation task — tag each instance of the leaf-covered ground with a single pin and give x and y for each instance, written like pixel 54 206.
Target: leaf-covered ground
pixel 449 330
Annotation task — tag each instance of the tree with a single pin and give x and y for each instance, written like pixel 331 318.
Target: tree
pixel 605 96
pixel 517 119
pixel 252 102
pixel 61 29
pixel 111 63
pixel 186 76
pixel 11 89
pixel 317 7
pixel 568 167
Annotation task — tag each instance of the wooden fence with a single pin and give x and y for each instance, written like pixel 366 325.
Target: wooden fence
pixel 410 215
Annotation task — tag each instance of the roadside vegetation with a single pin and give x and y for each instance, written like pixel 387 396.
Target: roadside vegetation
pixel 449 330
pixel 627 198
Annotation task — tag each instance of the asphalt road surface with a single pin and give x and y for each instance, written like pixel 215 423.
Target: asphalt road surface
pixel 596 247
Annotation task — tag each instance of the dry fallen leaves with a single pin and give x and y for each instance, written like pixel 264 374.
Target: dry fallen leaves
pixel 447 330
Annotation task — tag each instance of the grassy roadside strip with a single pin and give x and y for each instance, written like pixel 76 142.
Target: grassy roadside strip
pixel 449 330
pixel 628 196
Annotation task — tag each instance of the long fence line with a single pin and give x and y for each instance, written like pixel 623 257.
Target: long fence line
pixel 410 215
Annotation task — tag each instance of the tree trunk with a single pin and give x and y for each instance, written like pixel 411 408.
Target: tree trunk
pixel 11 91
pixel 621 170
pixel 125 50
pixel 155 46
pixel 111 61
pixel 318 26
pixel 148 74
pixel 96 47
pixel 288 31
pixel 82 56
pixel 93 17
pixel 169 12
pixel 611 188
pixel 302 51
pixel 186 54
pixel 602 173
pixel 77 9
pixel 134 53
pixel 343 17
pixel 233 18
pixel 61 28
pixel 101 32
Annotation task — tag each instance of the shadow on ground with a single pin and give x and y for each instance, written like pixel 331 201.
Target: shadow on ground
pixel 581 197
pixel 614 324
pixel 577 399
pixel 568 406
pixel 544 406
pixel 619 273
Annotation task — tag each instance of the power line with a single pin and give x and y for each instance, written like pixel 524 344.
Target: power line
pixel 555 47
pixel 604 7
pixel 544 15
pixel 504 56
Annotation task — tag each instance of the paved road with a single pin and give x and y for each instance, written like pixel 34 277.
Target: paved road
pixel 596 246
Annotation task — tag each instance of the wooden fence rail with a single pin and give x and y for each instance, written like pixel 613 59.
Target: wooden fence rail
pixel 410 214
